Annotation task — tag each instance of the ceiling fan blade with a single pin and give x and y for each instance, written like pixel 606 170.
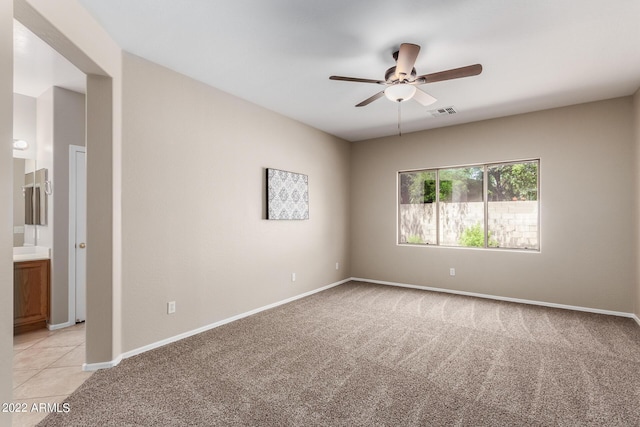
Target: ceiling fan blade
pixel 406 60
pixel 423 97
pixel 455 73
pixel 371 99
pixel 357 80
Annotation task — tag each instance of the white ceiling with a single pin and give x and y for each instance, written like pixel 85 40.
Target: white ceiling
pixel 37 67
pixel 280 53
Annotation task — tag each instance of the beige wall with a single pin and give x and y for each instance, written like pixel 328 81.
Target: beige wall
pixel 68 129
pixel 6 211
pixel 587 258
pixel 103 281
pixel 193 205
pixel 636 134
pixel 44 158
pixel 24 121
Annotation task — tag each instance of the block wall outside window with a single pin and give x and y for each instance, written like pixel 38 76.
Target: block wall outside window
pixel 460 204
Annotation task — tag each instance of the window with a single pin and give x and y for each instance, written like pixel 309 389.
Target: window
pixel 512 214
pixel 417 207
pixel 488 206
pixel 461 204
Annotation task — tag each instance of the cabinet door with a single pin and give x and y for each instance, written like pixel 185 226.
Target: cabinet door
pixel 30 292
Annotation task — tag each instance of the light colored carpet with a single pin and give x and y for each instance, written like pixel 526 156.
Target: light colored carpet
pixel 364 354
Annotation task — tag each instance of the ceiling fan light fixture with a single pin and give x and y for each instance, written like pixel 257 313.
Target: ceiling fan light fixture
pixel 400 92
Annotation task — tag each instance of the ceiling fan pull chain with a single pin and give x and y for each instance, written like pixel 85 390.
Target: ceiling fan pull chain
pixel 399 117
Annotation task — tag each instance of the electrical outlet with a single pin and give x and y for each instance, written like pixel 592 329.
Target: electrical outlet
pixel 337 266
pixel 171 307
pixel 293 277
pixel 452 272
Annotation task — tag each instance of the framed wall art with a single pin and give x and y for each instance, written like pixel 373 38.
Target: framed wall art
pixel 287 195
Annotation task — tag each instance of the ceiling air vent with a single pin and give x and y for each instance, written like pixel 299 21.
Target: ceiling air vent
pixel 446 111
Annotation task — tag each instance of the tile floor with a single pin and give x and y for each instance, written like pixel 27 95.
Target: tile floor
pixel 47 367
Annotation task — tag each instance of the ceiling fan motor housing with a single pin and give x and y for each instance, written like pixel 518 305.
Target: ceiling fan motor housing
pixel 390 75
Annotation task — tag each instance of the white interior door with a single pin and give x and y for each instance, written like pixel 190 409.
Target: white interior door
pixel 79 194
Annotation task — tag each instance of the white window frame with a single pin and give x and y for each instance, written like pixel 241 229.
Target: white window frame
pixel 485 185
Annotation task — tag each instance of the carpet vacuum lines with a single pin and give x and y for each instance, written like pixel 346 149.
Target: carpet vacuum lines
pixel 363 354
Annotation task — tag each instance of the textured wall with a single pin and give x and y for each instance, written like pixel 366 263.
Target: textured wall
pixel 586 155
pixel 636 133
pixel 511 224
pixel 193 205
pixel 6 211
pixel 68 129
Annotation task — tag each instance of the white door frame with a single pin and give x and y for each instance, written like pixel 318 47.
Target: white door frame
pixel 73 149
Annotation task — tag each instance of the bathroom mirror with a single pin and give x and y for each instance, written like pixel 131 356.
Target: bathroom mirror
pixel 25 182
pixel 22 169
pixel 35 197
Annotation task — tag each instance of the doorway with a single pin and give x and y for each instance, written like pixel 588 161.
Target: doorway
pixel 59 30
pixel 50 100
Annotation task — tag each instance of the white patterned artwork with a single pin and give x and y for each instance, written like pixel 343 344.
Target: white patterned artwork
pixel 287 195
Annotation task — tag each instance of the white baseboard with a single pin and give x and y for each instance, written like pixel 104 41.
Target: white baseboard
pixel 499 298
pixel 134 352
pixel 89 367
pixel 59 325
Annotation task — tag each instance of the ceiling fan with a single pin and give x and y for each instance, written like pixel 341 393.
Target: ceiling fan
pixel 401 80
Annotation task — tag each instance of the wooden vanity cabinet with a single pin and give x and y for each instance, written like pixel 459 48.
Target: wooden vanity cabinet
pixel 30 295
